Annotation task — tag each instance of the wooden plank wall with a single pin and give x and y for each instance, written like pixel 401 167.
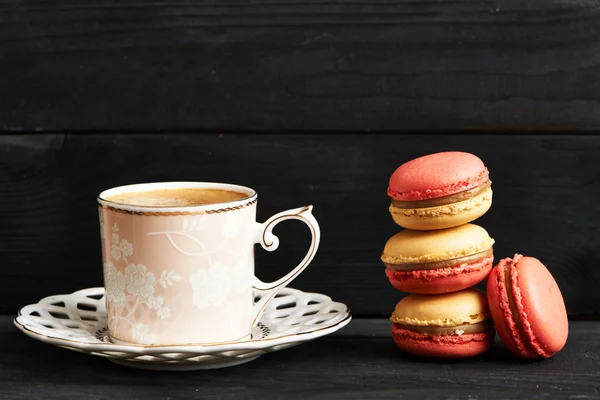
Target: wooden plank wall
pixel 546 191
pixel 299 65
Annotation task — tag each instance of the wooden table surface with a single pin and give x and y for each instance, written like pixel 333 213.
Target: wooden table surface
pixel 359 362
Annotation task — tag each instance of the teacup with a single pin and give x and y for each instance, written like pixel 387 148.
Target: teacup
pixel 184 274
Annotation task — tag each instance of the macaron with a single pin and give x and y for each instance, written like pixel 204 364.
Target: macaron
pixel 441 261
pixel 527 307
pixel 451 325
pixel 440 191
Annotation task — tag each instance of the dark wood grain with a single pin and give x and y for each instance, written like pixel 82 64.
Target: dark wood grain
pixel 546 190
pixel 281 65
pixel 359 362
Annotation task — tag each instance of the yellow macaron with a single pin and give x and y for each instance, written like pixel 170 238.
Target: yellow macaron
pixel 454 324
pixel 441 261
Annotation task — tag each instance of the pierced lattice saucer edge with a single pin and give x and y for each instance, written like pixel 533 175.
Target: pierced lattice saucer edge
pixel 264 344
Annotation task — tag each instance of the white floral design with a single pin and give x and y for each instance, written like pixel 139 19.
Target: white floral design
pixel 164 312
pixel 231 227
pixel 114 282
pixel 116 252
pixel 211 284
pixel 126 248
pixel 136 282
pixel 210 287
pixel 120 248
pixel 139 281
pixel 140 333
pixel 154 302
pixel 166 279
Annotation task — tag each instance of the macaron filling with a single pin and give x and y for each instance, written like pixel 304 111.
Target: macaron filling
pixel 401 335
pixel 506 271
pixel 464 329
pixel 432 275
pixel 468 259
pixel 444 200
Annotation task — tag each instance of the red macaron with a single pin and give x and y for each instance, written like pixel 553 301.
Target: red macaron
pixel 527 307
pixel 439 191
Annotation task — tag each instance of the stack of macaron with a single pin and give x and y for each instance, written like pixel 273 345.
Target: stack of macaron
pixel 441 255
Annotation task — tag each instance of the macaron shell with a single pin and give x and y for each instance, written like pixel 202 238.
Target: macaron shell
pixel 437 175
pixel 542 308
pixel 445 280
pixel 465 307
pixel 451 346
pixel 502 315
pixel 539 304
pixel 442 217
pixel 409 246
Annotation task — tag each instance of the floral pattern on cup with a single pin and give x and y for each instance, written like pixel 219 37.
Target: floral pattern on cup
pixel 134 288
pixel 140 333
pixel 139 281
pixel 211 286
pixel 114 282
pixel 121 248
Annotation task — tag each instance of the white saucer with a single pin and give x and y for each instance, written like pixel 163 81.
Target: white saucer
pixel 77 321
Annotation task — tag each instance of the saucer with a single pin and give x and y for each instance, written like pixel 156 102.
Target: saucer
pixel 77 321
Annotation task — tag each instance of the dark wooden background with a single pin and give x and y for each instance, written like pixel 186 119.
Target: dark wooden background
pixel 546 191
pixel 299 65
pixel 523 70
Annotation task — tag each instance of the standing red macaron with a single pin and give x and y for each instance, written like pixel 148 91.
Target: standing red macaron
pixel 439 191
pixel 527 307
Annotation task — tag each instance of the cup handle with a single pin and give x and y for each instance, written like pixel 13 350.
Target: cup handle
pixel 270 242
